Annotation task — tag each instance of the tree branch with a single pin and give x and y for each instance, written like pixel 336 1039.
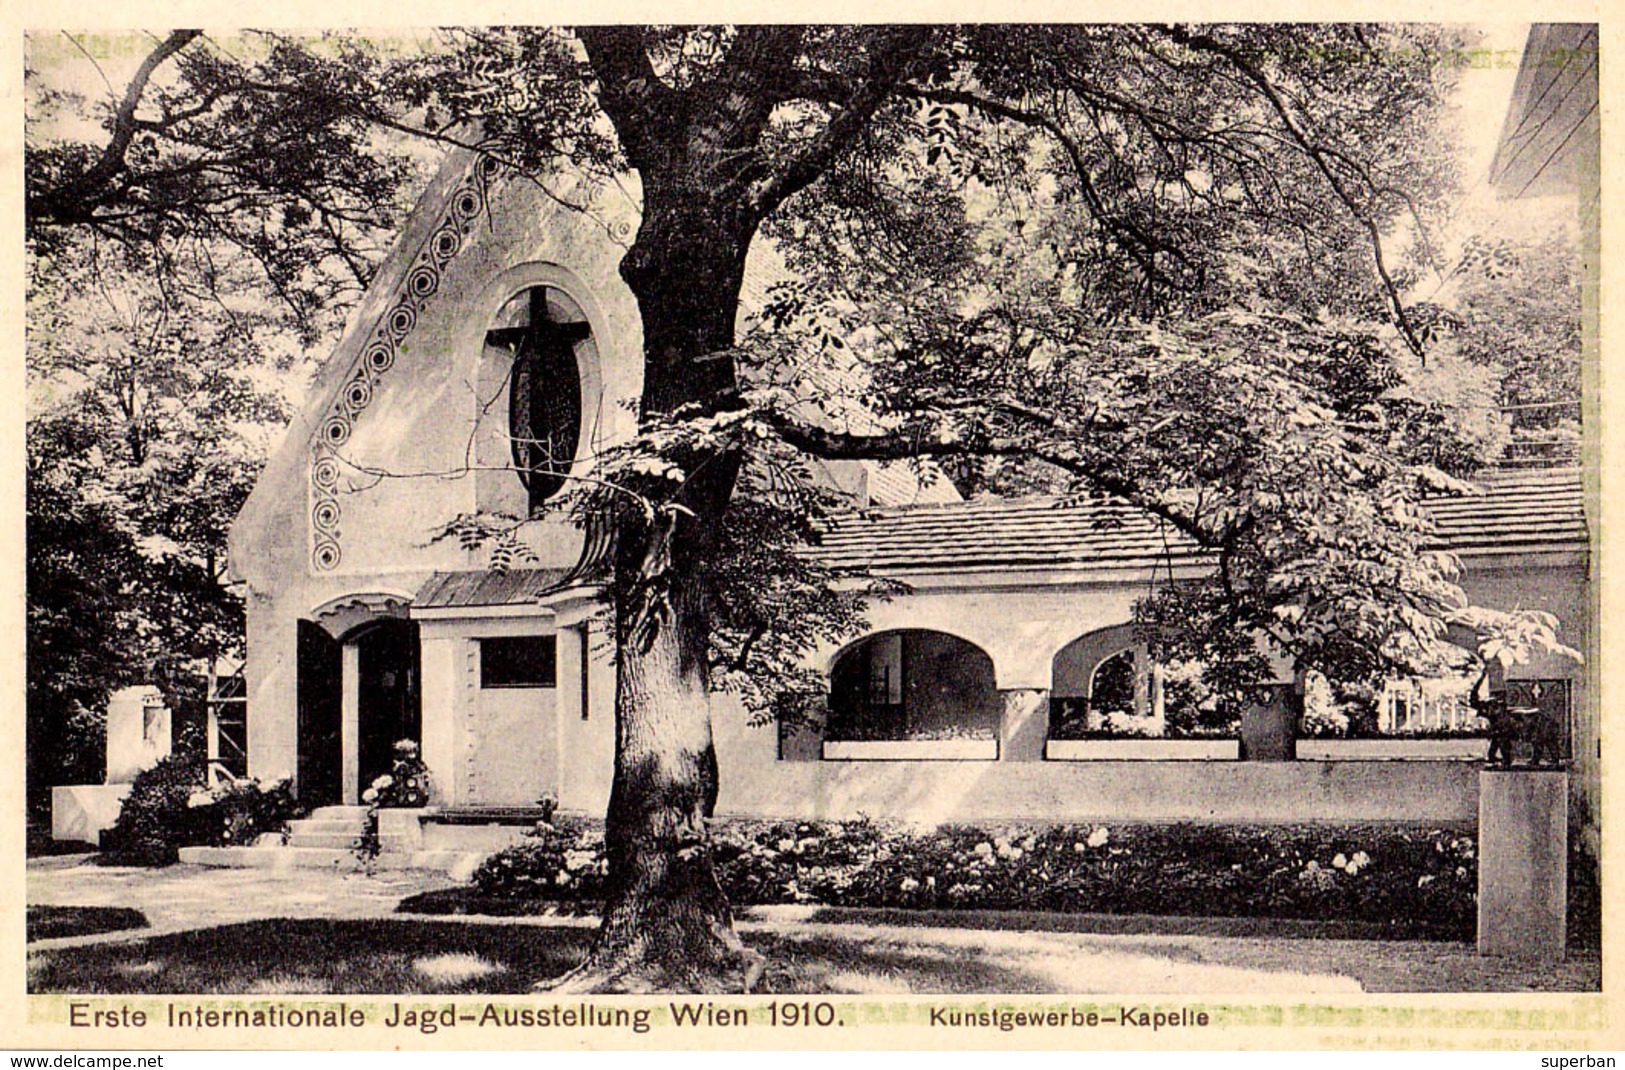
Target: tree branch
pixel 1318 154
pixel 1144 246
pixel 125 126
pixel 894 52
pixel 912 444
pixel 630 92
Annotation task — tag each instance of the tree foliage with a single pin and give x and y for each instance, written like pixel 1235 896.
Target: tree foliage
pixel 257 147
pixel 150 416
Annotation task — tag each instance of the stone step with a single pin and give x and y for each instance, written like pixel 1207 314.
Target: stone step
pixel 269 857
pixel 460 865
pixel 325 827
pixel 330 841
pixel 339 813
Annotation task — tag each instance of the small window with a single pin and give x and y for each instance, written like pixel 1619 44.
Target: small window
pixel 519 661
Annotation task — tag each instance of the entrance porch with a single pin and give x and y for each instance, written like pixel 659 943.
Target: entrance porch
pixel 359 692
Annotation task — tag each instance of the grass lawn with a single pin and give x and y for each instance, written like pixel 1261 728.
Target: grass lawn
pixel 412 956
pixel 388 956
pixel 49 922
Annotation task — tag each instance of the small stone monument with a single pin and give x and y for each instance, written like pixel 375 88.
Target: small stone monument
pixel 138 737
pixel 138 732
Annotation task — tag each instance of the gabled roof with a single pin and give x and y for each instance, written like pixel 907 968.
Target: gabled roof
pixel 1516 509
pixel 1549 141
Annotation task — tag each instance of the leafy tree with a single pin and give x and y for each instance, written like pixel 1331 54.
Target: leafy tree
pixel 1149 261
pixel 149 419
pixel 886 160
pixel 187 232
pixel 1516 310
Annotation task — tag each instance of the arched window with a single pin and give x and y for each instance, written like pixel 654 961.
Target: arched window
pixel 540 328
pixel 913 685
pixel 1102 687
pixel 1111 687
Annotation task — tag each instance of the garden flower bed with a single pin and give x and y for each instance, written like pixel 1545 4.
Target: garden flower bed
pixel 1408 882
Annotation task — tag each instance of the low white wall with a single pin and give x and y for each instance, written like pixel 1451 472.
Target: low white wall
pixel 755 783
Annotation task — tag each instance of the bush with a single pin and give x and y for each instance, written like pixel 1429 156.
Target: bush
pixel 237 812
pixel 1406 882
pixel 561 862
pixel 155 821
pixel 170 806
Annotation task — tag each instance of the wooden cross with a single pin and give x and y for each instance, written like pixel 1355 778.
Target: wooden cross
pixel 544 401
pixel 541 335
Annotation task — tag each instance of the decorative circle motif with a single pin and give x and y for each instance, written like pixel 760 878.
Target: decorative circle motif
pixel 336 431
pixel 465 206
pixel 402 318
pixel 423 281
pixel 326 557
pixel 325 516
pixel 380 358
pixel 445 243
pixel 325 474
pixel 358 394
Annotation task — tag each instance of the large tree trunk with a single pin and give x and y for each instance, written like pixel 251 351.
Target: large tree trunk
pixel 667 925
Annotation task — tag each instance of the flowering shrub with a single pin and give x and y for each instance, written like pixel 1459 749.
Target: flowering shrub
pixel 405 786
pixel 555 861
pixel 171 806
pixel 1409 882
pixel 241 810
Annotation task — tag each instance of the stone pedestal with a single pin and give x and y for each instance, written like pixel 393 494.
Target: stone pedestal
pixel 138 737
pixel 1269 727
pixel 1523 862
pixel 1024 724
pixel 80 813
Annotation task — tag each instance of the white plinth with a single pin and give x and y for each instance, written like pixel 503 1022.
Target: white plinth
pixel 82 812
pixel 1523 833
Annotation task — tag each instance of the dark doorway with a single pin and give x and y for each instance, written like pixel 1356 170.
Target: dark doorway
pixel 321 690
pixel 391 705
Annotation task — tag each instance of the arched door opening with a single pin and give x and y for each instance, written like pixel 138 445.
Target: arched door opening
pixel 358 695
pixel 1107 684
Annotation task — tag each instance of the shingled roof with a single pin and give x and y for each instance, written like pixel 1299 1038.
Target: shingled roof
pixel 1516 509
pixel 512 586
